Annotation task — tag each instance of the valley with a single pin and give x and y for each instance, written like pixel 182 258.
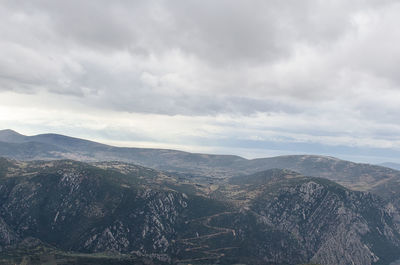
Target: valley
pixel 229 210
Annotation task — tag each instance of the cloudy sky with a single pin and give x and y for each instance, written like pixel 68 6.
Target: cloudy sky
pixel 254 78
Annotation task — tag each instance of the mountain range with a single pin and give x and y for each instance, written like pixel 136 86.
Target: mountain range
pixel 65 200
pixel 391 165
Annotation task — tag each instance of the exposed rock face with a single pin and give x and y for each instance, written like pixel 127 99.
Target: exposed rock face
pixel 82 209
pixel 7 235
pixel 334 225
pixel 272 217
pixel 149 228
pixel 379 180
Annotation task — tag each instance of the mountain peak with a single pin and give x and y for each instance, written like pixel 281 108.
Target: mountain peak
pixel 9 135
pixel 9 131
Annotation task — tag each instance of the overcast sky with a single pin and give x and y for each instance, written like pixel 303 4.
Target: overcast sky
pixel 249 77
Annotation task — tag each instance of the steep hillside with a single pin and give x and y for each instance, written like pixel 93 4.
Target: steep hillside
pixel 78 207
pixel 203 167
pixel 68 211
pixel 333 225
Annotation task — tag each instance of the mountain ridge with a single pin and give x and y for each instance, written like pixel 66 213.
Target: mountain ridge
pixel 270 217
pixel 357 176
pixel 392 165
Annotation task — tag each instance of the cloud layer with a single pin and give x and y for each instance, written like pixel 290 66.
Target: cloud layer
pixel 315 72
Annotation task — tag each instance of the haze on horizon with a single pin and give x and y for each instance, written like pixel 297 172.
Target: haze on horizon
pixel 251 78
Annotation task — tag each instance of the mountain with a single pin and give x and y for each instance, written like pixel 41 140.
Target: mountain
pixel 121 213
pixel 391 165
pixel 356 176
pixel 11 136
pixel 329 221
pixel 82 208
pixel 54 146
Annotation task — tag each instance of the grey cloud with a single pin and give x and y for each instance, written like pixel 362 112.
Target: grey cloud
pixel 145 101
pixel 223 30
pixel 237 57
pixel 298 76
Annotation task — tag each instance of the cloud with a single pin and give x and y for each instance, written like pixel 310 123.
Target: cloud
pixel 309 71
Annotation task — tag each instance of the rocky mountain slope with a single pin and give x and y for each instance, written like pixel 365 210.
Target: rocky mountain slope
pixel 69 211
pixel 356 176
pixel 333 225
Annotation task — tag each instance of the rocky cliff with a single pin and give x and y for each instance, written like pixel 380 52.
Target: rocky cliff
pixel 130 213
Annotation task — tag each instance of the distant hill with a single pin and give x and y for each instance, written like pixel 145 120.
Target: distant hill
pixel 54 146
pixel 381 180
pixel 11 136
pixel 391 165
pixel 355 175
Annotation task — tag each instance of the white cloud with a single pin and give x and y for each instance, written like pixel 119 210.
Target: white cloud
pixel 184 71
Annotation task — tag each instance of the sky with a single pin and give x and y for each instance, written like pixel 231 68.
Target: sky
pixel 254 78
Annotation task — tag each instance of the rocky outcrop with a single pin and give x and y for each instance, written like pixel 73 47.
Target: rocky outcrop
pixel 77 210
pixel 272 217
pixel 336 226
pixel 7 235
